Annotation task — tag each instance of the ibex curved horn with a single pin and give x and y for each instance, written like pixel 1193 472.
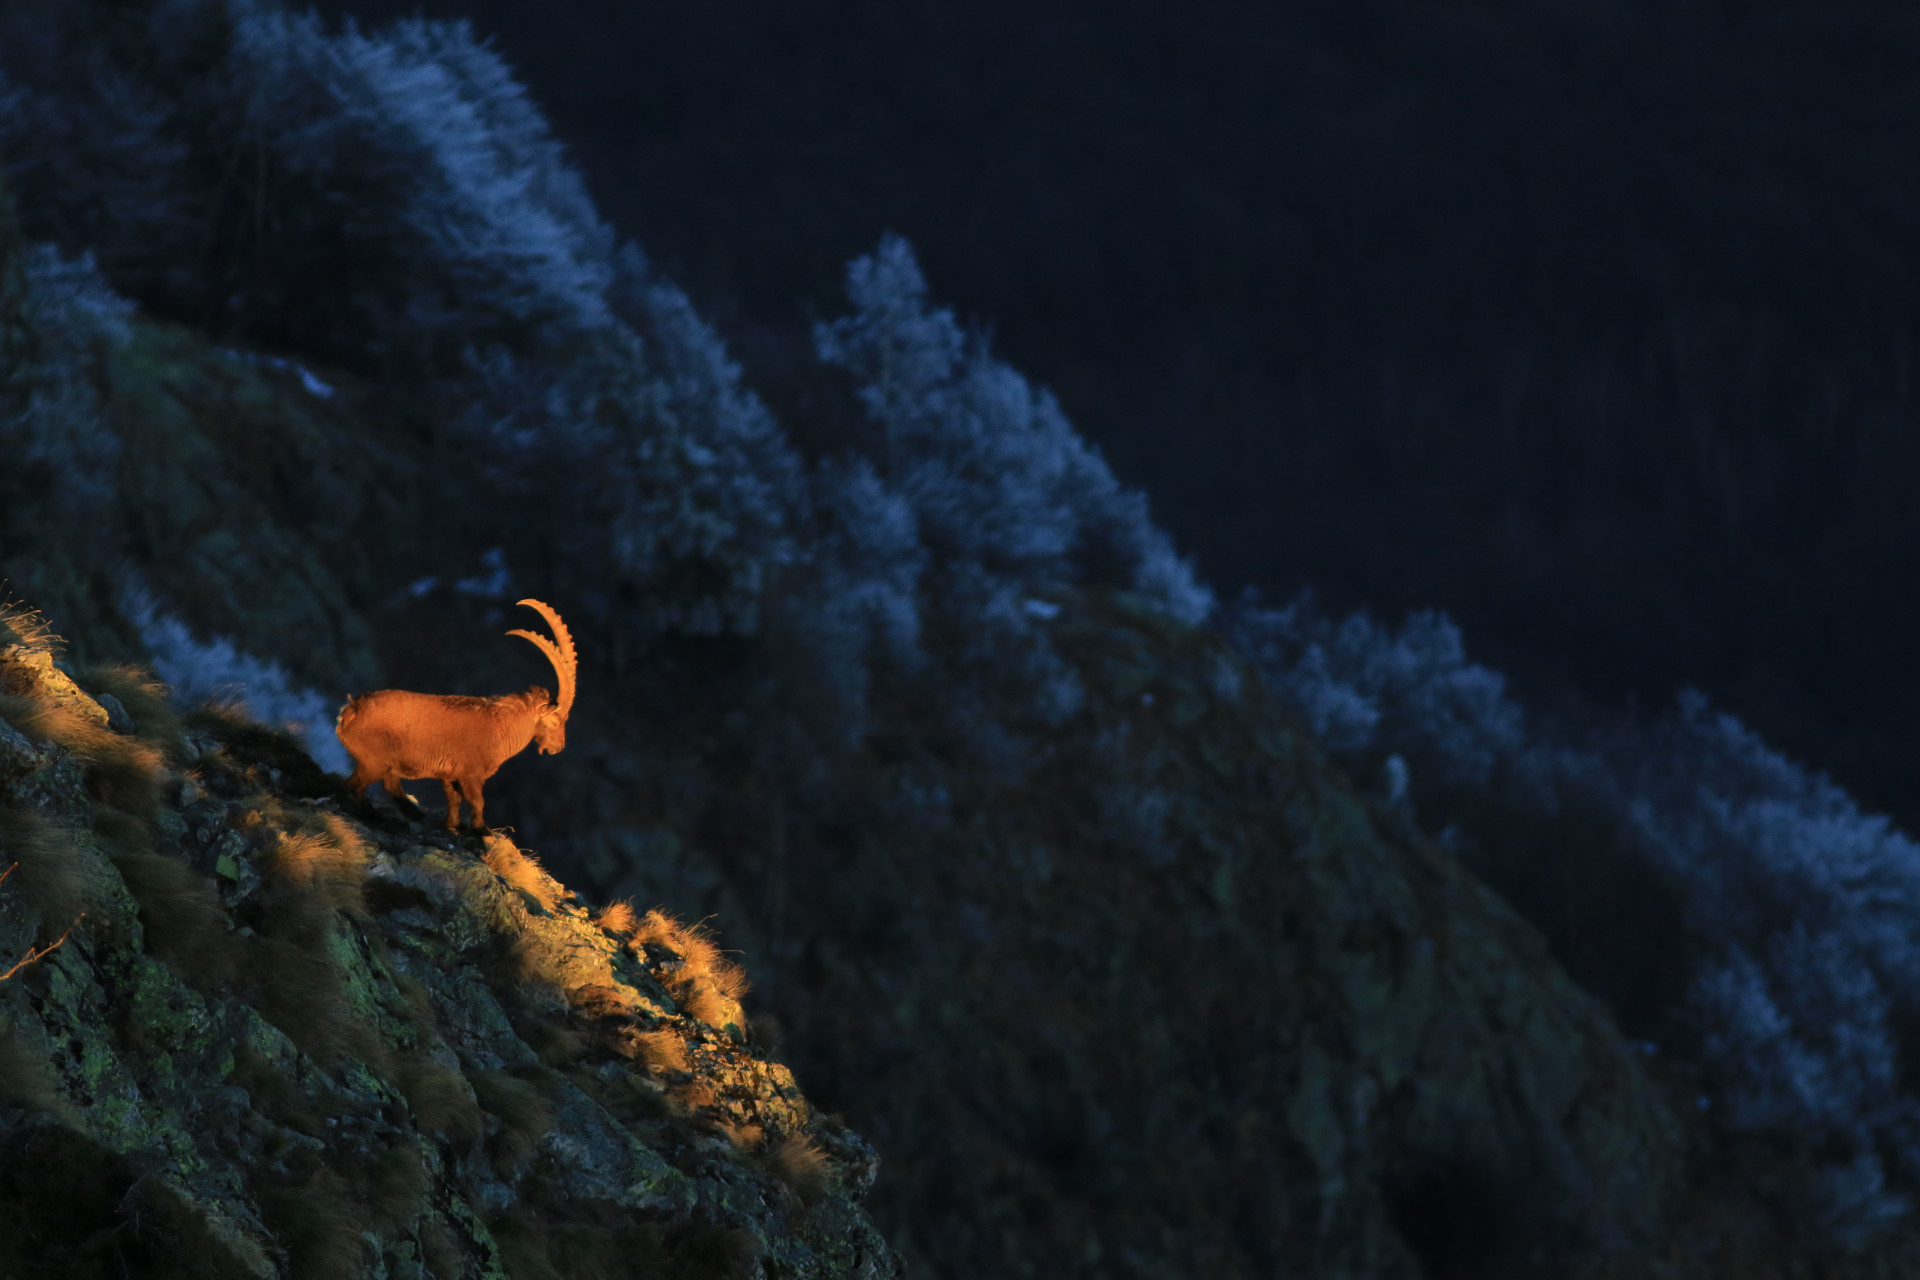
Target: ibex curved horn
pixel 560 654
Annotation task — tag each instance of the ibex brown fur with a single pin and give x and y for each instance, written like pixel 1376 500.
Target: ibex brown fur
pixel 393 734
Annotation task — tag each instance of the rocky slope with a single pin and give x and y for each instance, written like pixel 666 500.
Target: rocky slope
pixel 288 1036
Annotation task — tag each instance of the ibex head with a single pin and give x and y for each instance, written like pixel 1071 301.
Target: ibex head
pixel 550 729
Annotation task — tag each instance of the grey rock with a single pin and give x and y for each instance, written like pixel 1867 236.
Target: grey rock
pixel 117 718
pixel 18 755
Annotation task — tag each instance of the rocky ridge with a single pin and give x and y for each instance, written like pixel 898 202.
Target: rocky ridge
pixel 290 1035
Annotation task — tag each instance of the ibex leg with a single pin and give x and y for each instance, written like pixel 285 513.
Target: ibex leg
pixel 397 791
pixel 453 804
pixel 470 788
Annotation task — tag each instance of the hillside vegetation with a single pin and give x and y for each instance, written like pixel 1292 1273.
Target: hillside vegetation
pixel 1141 935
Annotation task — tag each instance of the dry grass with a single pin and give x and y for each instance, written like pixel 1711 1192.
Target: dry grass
pixel 580 1252
pixel 273 1094
pixel 523 1247
pixel 663 1048
pixel 707 984
pixel 798 1161
pixel 524 872
pixel 694 1096
pixel 523 1111
pixel 146 701
pixel 440 1250
pixel 59 876
pixel 416 1001
pixel 328 866
pixel 296 987
pixel 397 1186
pixel 745 1137
pixel 508 964
pixel 229 721
pixel 26 1077
pixel 121 771
pixel 619 918
pixel 440 1098
pixel 181 916
pixel 22 625
pixel 555 1042
pixel 311 877
pixel 321 1227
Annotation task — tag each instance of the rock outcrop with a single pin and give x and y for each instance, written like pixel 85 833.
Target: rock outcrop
pixel 289 1036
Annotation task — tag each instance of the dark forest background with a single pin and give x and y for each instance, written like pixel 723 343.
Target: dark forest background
pixel 1592 324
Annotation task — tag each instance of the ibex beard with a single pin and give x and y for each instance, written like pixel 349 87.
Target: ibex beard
pixel 394 735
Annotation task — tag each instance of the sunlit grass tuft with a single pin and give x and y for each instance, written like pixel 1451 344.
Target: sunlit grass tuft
pixel 619 918
pixel 706 984
pixel 524 872
pixel 662 1048
pixel 310 878
pixel 26 626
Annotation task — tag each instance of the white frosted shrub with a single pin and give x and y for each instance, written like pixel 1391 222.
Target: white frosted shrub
pixel 1366 688
pixel 489 226
pixel 215 670
pixel 1006 494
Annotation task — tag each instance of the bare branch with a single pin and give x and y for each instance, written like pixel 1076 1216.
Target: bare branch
pixel 40 953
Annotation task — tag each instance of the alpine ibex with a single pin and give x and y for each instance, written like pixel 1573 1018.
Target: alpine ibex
pixel 393 734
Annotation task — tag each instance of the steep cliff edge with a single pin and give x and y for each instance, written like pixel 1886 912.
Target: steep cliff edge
pixel 283 1039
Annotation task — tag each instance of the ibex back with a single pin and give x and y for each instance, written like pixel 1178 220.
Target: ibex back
pixel 393 735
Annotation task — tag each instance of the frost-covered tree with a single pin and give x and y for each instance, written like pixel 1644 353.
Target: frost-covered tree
pixel 1007 497
pixel 384 201
pixel 1372 692
pixel 667 480
pixel 393 203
